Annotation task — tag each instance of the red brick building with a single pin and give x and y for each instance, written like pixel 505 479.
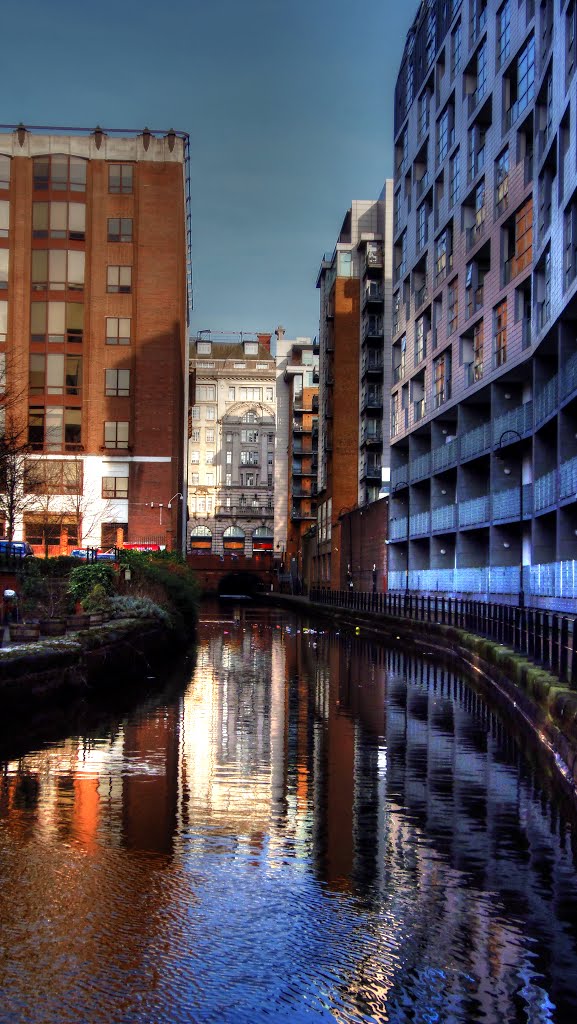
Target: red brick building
pixel 93 331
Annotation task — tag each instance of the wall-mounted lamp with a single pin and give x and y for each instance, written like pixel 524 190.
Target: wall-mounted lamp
pixel 443 551
pixel 507 395
pixel 506 544
pixel 507 471
pixel 443 492
pixel 444 430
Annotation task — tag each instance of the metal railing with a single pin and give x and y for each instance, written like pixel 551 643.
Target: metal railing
pixel 544 637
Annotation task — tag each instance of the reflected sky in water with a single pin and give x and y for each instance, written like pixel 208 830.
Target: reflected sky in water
pixel 314 829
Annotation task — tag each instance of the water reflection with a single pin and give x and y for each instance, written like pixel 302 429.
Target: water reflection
pixel 316 828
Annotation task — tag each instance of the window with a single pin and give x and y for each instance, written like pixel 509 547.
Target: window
pixel 195 413
pixel 478 17
pixel 500 332
pixel 120 178
pixel 228 480
pixel 109 533
pixel 57 269
pixel 399 359
pixel 195 458
pixel 503 33
pixel 209 480
pixel 117 383
pixel 195 437
pixel 400 257
pixel 119 279
pixel 53 476
pixel 249 436
pixel 205 392
pixel 445 132
pixel 570 243
pixel 4 259
pixel 59 173
pixel 443 255
pixel 422 221
pixel 269 394
pixel 570 18
pixel 209 436
pixel 55 374
pixel 249 458
pixel 420 340
pixel 4 218
pixel 523 237
pixel 401 155
pixel 51 427
pixel 194 479
pixel 250 394
pixel 521 82
pixel 59 220
pixel 5 171
pixel 409 85
pixel 209 458
pixel 502 182
pixel 452 307
pixel 116 434
pixel 229 458
pixel 431 37
pixel 3 319
pixel 120 229
pixel 476 150
pixel 442 378
pixel 454 177
pixel 114 487
pixel 478 335
pixel 456 37
pixel 210 412
pixel 118 330
pixel 231 394
pixel 203 348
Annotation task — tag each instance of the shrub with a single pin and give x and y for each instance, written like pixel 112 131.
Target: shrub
pixel 59 567
pixel 165 577
pixel 97 600
pixel 84 578
pixel 123 607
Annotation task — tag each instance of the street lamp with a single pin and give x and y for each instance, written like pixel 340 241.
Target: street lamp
pixel 507 472
pixel 398 485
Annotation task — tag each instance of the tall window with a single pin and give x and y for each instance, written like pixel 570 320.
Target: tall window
pixel 118 330
pixel 500 331
pixel 570 243
pixel 443 255
pixel 119 279
pixel 420 340
pixel 478 336
pixel 117 383
pixel 523 237
pixel 59 220
pixel 521 82
pixel 456 35
pixel 56 322
pixel 5 164
pixel 503 33
pixel 454 176
pixel 120 178
pixel 120 229
pixel 442 378
pixel 445 132
pixel 452 307
pixel 116 434
pixel 502 182
pixel 422 219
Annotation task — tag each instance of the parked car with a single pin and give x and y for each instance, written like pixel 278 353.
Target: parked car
pixel 101 556
pixel 16 547
pixel 142 547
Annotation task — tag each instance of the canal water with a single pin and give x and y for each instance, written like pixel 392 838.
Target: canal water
pixel 311 828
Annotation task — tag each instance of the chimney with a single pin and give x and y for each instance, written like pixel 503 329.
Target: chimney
pixel 264 340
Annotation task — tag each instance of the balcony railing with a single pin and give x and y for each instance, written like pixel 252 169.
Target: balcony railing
pixel 444 519
pixel 474 233
pixel 475 512
pixel 420 523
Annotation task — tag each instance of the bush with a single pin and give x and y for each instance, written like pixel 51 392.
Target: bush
pixel 125 607
pixel 97 600
pixel 84 578
pixel 166 578
pixel 59 567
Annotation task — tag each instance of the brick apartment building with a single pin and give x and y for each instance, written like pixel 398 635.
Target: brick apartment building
pixel 93 331
pixel 354 379
pixel 484 398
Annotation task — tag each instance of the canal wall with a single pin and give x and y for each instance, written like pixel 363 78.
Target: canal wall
pixel 536 700
pixel 65 668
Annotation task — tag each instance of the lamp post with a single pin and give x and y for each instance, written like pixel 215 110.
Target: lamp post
pixel 521 587
pixel 398 485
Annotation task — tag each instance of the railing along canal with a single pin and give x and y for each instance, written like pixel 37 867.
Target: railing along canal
pixel 547 638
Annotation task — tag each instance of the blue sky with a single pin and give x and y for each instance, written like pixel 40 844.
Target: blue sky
pixel 288 104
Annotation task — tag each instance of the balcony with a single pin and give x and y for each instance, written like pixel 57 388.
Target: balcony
pixel 420 524
pixel 476 442
pixel 444 456
pixel 373 293
pixel 423 184
pixel 443 394
pixel 474 301
pixel 300 471
pixel 475 512
pixel 419 410
pixel 473 373
pixel 476 231
pixel 373 257
pixel 545 491
pixel 444 519
pixel 372 400
pixel 372 437
pixel 421 296
pixel 372 328
pixel 372 470
pixel 373 363
pixel 299 513
pixel 419 468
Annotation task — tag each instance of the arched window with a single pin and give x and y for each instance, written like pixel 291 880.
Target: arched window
pixel 262 540
pixel 201 540
pixel 233 540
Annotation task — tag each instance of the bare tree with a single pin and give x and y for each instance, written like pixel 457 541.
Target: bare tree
pixel 15 494
pixel 84 507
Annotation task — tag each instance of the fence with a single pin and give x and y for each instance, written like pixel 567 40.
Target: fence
pixel 546 638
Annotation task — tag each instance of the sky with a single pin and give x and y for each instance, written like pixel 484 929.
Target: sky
pixel 289 107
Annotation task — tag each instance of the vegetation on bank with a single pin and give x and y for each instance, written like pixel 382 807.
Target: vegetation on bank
pixel 156 585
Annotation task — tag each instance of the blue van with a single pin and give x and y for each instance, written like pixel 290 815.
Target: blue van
pixel 16 547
